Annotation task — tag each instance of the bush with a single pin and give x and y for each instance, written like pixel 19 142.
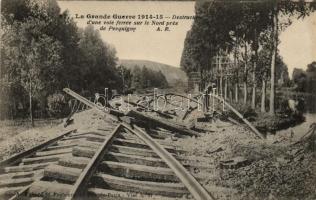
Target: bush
pixel 246 111
pixel 57 105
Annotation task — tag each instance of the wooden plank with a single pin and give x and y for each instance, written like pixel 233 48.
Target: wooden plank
pixel 140 172
pixel 6 192
pixel 149 187
pixel 187 179
pixel 105 194
pixel 56 147
pixel 16 182
pixel 43 159
pixel 172 126
pixel 83 152
pixel 89 137
pixel 27 168
pixel 89 144
pixel 133 151
pixel 19 175
pixel 79 187
pixel 133 159
pixel 54 152
pixel 75 162
pixel 62 173
pixel 165 115
pixel 49 190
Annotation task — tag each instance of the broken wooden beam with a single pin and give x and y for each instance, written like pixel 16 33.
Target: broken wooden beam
pixel 149 109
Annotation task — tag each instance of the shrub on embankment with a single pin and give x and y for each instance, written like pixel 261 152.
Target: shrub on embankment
pixel 264 122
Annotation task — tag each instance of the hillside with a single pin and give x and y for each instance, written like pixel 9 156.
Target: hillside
pixel 172 74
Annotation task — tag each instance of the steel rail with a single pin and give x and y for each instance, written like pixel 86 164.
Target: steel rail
pixel 240 116
pixel 108 111
pixel 177 95
pixel 260 135
pixel 92 105
pixel 187 179
pixel 80 185
pixel 18 157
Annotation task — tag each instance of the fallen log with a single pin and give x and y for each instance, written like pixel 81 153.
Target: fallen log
pixel 172 126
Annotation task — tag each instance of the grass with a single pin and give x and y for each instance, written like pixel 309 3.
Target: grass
pixel 19 135
pixel 10 128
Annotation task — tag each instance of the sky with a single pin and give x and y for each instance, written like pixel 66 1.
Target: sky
pixel 145 43
pixel 297 47
pixel 298 43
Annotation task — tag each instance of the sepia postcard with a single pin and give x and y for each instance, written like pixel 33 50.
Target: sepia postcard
pixel 205 100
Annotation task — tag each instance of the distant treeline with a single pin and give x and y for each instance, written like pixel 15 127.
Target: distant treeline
pixel 43 51
pixel 141 78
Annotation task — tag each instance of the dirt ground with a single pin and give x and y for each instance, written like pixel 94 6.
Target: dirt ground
pixel 10 128
pixel 273 169
pixel 15 139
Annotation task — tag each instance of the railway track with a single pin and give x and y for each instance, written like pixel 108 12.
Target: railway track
pixel 116 163
pixel 20 171
pixel 119 161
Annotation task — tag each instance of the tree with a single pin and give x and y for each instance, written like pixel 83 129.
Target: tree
pixel 286 8
pixel 311 77
pixel 264 57
pixel 43 51
pixel 273 54
pixel 126 77
pixel 137 77
pixel 219 25
pixel 32 55
pixel 98 62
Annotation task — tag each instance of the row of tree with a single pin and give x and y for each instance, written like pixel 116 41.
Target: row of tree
pixel 138 78
pixel 43 51
pixel 235 43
